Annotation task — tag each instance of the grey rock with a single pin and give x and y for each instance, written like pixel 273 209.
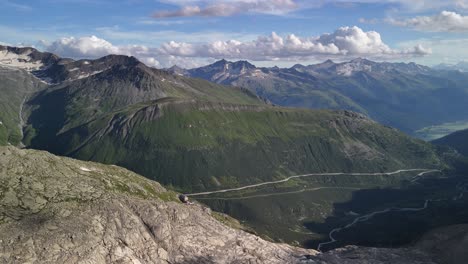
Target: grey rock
pixel 105 214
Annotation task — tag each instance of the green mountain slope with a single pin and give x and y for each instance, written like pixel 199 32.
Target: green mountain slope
pixel 16 86
pixel 67 105
pixel 197 145
pixel 457 140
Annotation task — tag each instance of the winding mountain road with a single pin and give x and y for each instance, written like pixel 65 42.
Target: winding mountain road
pixel 277 194
pixel 423 171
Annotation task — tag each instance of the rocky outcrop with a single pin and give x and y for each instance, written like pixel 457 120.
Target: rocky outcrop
pixel 59 210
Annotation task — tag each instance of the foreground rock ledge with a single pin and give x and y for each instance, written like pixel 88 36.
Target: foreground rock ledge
pixel 60 210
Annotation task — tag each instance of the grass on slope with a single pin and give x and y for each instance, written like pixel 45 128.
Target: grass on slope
pixel 14 87
pixel 457 140
pixel 201 145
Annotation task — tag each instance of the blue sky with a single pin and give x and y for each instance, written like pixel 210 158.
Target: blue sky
pixel 266 32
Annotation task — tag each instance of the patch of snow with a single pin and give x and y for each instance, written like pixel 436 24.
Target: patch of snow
pixel 86 75
pixel 45 80
pixel 82 76
pixel 1 123
pixel 348 69
pixel 345 70
pixel 352 213
pixel 74 69
pixel 85 169
pixel 4 67
pixel 258 73
pixel 22 61
pixel 96 72
pixel 86 62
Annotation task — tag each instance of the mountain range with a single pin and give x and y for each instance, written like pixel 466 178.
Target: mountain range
pixel 194 135
pixel 461 66
pixel 117 110
pixel 389 93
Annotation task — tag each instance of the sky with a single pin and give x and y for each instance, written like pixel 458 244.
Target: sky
pixel 192 33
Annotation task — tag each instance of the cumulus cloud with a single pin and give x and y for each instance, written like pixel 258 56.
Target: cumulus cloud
pixel 229 8
pixel 87 47
pixel 345 42
pixel 446 21
pixel 93 47
pixel 443 50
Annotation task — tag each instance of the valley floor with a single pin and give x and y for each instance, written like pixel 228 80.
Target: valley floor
pixel 326 211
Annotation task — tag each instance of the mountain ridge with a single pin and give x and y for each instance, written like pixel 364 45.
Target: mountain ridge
pixel 391 93
pixel 461 66
pixel 457 140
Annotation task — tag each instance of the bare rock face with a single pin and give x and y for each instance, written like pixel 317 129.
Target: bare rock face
pixel 59 210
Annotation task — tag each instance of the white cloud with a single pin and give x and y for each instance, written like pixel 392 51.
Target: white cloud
pixel 87 47
pixel 443 50
pixel 227 8
pixel 345 42
pixel 93 47
pixel 446 21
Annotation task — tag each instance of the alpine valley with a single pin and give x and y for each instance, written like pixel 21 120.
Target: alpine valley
pixel 316 176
